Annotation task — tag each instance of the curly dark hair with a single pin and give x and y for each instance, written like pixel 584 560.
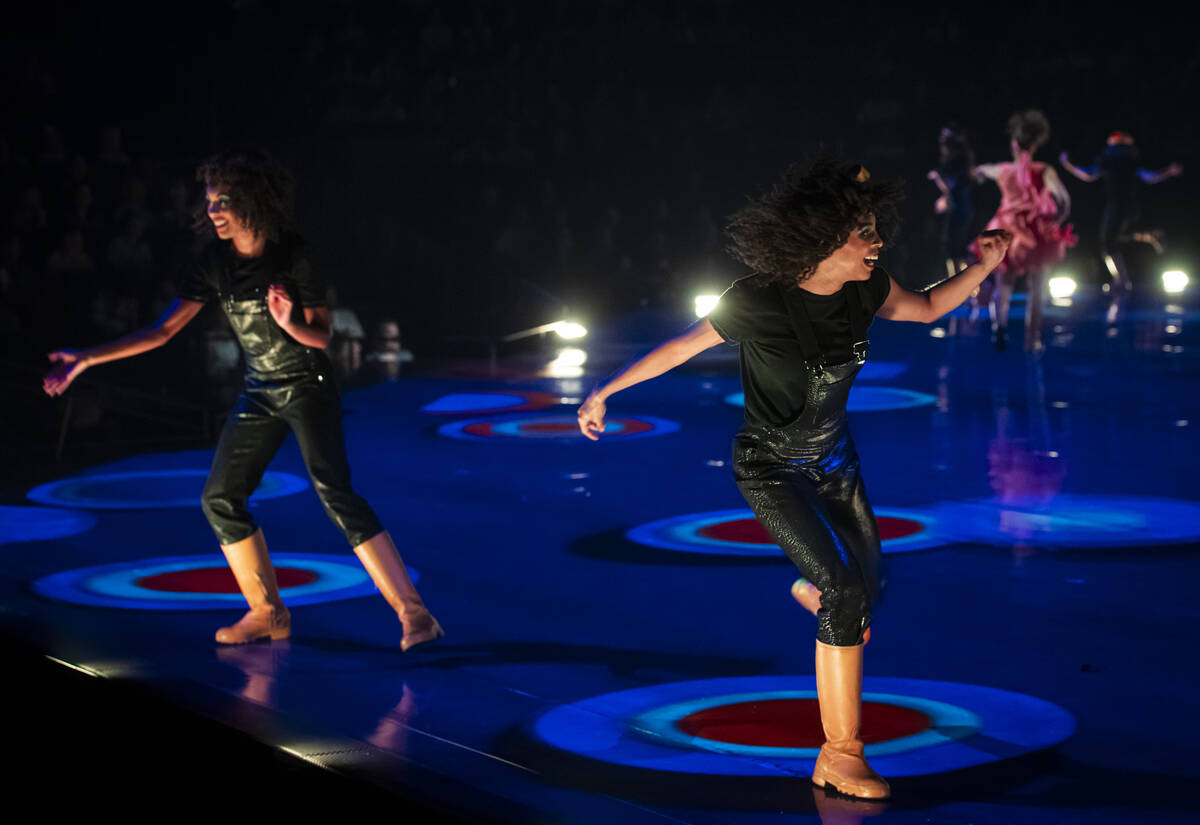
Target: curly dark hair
pixel 784 233
pixel 261 191
pixel 1029 128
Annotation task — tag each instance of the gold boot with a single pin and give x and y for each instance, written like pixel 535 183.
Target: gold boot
pixel 809 597
pixel 378 555
pixel 267 618
pixel 841 765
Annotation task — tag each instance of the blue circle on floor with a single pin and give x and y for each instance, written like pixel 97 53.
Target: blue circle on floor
pixel 866 398
pixel 558 428
pixel 737 533
pixel 42 523
pixel 149 489
pixel 961 726
pixel 490 402
pixel 131 585
pixel 1071 521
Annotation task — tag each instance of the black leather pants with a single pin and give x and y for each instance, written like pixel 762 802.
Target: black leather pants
pixel 255 431
pixel 815 507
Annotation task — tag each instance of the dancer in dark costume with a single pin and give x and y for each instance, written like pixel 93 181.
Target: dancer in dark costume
pixel 801 322
pixel 1118 166
pixel 260 271
pixel 954 178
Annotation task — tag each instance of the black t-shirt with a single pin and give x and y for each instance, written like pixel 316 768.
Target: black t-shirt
pixel 753 314
pixel 1119 168
pixel 218 272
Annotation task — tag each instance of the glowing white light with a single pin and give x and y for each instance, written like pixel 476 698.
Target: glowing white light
pixel 1171 329
pixel 1062 286
pixel 938 332
pixel 706 304
pixel 1174 281
pixel 569 329
pixel 571 357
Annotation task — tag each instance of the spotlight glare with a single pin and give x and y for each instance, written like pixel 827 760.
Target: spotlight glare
pixel 1062 286
pixel 569 329
pixel 1174 281
pixel 571 357
pixel 706 304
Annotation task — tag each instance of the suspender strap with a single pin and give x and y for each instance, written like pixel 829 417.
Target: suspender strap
pixel 803 328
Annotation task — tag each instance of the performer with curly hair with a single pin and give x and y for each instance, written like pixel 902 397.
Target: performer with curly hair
pixel 801 319
pixel 261 272
pixel 1119 167
pixel 1033 205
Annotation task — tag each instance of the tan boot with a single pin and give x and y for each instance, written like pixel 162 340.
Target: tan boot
pixel 841 765
pixel 268 618
pixel 809 597
pixel 386 568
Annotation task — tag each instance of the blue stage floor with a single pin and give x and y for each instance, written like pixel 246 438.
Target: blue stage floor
pixel 1033 659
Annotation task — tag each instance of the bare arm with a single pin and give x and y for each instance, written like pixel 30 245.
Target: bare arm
pixel 70 364
pixel 1058 191
pixel 986 171
pixel 1172 171
pixel 1087 174
pixel 927 307
pixel 938 181
pixel 699 337
pixel 317 327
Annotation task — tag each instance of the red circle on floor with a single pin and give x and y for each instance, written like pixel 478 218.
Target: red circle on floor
pixel 218 580
pixel 795 723
pixel 749 531
pixel 549 427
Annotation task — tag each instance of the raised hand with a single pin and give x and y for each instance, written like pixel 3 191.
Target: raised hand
pixel 591 417
pixel 992 248
pixel 279 304
pixel 68 365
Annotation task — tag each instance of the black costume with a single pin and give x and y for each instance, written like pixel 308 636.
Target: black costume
pixel 287 386
pixel 955 233
pixel 794 459
pixel 1118 166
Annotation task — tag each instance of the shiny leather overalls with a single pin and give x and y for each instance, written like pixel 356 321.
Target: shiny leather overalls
pixel 802 482
pixel 288 387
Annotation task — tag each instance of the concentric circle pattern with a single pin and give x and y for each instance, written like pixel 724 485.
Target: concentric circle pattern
pixel 204 582
pixel 555 428
pixel 149 489
pixel 738 533
pixel 770 726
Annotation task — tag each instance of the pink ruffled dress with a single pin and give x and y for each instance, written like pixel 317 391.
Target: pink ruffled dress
pixel 1028 211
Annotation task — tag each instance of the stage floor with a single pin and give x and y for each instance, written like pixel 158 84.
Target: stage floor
pixel 621 644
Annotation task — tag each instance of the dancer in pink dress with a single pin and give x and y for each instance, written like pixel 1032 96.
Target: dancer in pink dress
pixel 1033 205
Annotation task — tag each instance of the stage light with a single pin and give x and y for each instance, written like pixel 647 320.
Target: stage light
pixel 569 329
pixel 1062 286
pixel 571 357
pixel 706 304
pixel 1174 281
pixel 938 332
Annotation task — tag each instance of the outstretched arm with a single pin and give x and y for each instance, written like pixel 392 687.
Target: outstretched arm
pixel 927 307
pixel 1172 171
pixel 70 364
pixel 1087 174
pixel 699 337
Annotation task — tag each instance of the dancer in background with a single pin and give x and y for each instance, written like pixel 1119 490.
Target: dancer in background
pixel 1118 166
pixel 954 178
pixel 801 322
pixel 1033 205
pixel 261 272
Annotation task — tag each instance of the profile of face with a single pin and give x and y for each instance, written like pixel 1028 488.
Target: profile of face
pixel 227 223
pixel 858 256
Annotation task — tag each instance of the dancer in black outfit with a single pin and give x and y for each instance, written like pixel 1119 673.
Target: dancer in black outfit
pixel 954 178
pixel 260 271
pixel 1120 169
pixel 801 322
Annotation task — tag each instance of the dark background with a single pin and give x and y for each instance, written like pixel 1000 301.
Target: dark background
pixel 471 168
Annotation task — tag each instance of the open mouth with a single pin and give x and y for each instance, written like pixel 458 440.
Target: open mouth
pixel 870 261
